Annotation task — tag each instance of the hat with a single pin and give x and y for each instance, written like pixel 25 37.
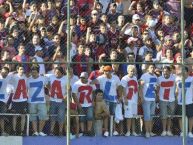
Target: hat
pixel 42 28
pixel 131 39
pixel 107 68
pixel 136 17
pixel 167 37
pixel 38 48
pixel 84 75
pixel 94 12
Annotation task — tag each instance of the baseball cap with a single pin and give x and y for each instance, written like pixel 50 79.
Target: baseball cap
pixel 136 17
pixel 167 37
pixel 84 75
pixel 94 12
pixel 131 39
pixel 107 68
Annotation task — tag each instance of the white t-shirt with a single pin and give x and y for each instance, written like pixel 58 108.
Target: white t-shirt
pixel 42 66
pixel 188 91
pixel 73 80
pixel 36 89
pixel 20 88
pixel 4 89
pixel 83 93
pixel 150 82
pixel 167 88
pixel 131 88
pixel 109 87
pixel 129 50
pixel 58 88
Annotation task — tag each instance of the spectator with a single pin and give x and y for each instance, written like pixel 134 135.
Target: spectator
pixel 84 102
pixel 36 101
pixel 39 59
pixel 5 92
pixel 80 57
pixel 148 85
pixel 130 94
pixel 112 14
pixel 101 112
pixel 22 57
pixel 188 100
pixel 108 83
pixel 166 100
pixel 58 86
pixel 19 99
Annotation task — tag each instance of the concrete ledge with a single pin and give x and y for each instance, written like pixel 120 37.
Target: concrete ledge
pixel 11 140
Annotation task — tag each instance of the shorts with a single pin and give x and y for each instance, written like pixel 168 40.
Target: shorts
pixel 189 112
pixel 19 107
pixel 111 107
pixel 3 107
pixel 58 109
pixel 148 110
pixel 38 110
pixel 88 112
pixel 130 110
pixel 166 108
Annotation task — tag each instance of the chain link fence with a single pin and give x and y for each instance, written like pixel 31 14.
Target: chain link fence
pixel 125 68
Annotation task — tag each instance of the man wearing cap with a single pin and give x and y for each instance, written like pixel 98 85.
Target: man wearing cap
pixel 39 58
pixel 82 93
pixel 110 84
pixel 131 46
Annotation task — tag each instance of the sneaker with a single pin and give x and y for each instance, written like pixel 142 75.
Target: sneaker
pixel 169 133
pixel 35 134
pixel 115 133
pixel 190 135
pixel 134 134
pixel 106 134
pixel 23 133
pixel 42 134
pixel 152 134
pixel 80 134
pixel 128 134
pixel 147 135
pixel 181 133
pixel 4 134
pixel 163 133
pixel 72 136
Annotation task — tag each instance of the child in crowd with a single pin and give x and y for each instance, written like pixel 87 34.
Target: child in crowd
pixel 101 112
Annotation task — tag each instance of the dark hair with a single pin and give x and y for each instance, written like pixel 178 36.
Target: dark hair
pixel 167 67
pixel 59 68
pixel 36 68
pixel 19 65
pixel 148 52
pixel 97 91
pixel 6 68
pixel 131 53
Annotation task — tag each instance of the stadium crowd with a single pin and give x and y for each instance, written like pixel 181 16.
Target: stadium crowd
pixel 101 34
